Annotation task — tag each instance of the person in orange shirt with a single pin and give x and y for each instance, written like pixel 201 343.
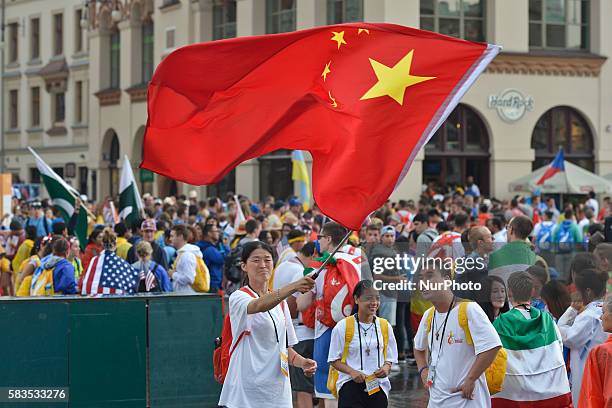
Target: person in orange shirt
pixel 596 391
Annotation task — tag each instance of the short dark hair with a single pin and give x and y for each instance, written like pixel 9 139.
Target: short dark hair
pixel 460 220
pixel 520 285
pixel 251 226
pixel 58 228
pixel 120 229
pixel 308 249
pixel 421 217
pixel 60 246
pixel 549 214
pixel 182 230
pixel 521 226
pixel 335 231
pixel 497 223
pixel 295 233
pixel 539 273
pixel 373 227
pixel 569 213
pixel 591 279
pixel 31 232
pixel 207 228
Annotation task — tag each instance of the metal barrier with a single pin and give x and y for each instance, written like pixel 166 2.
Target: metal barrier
pixel 139 351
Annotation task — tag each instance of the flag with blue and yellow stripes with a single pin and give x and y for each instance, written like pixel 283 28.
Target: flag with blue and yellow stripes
pixel 300 174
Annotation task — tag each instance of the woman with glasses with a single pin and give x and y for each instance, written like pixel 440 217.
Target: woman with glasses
pixel 363 350
pixel 263 336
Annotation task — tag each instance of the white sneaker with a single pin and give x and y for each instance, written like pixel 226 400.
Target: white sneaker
pixel 395 368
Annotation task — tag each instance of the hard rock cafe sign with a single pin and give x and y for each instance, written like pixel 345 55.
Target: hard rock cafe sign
pixel 511 104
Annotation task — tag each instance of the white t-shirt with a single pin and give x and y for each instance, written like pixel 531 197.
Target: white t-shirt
pixel 594 204
pixel 254 377
pixel 286 273
pixel 370 363
pixel 501 236
pixel 455 359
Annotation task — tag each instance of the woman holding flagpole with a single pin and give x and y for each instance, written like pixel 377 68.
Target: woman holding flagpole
pixel 263 336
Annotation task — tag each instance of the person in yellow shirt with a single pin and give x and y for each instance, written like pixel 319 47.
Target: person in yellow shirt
pixel 123 234
pixel 5 274
pixel 24 250
pixel 41 249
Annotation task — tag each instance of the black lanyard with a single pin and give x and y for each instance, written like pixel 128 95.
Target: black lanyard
pixel 377 342
pixel 273 321
pixel 443 330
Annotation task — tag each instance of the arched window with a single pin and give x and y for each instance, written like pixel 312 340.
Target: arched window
pixel 562 127
pixel 460 148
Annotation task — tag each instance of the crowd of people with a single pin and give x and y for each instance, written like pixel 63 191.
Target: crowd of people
pixel 538 310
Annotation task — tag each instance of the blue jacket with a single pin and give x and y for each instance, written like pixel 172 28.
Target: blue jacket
pixel 63 274
pixel 214 260
pixel 42 224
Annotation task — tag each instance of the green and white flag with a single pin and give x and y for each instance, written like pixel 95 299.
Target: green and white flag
pixel 130 203
pixel 63 197
pixel 536 374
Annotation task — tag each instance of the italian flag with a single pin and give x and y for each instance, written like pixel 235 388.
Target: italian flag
pixel 130 203
pixel 63 197
pixel 536 375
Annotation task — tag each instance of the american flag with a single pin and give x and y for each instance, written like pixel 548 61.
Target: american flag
pixel 109 274
pixel 149 279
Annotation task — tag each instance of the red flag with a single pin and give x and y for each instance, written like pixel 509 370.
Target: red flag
pixel 361 98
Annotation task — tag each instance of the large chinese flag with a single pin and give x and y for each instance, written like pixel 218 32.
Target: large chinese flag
pixel 361 98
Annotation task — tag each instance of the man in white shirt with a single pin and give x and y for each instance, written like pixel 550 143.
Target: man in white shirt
pixel 454 371
pixel 296 240
pixel 288 272
pixel 183 272
pixel 592 202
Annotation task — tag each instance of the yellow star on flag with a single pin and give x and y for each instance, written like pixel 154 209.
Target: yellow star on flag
pixel 365 30
pixel 393 82
pixel 326 71
pixel 338 37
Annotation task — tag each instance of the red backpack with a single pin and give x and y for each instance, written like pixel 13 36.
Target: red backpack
pixel 223 345
pixel 341 277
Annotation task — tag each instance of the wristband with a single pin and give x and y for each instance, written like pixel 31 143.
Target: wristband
pixel 423 369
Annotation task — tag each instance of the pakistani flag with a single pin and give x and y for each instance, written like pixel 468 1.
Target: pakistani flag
pixel 130 203
pixel 63 197
pixel 536 374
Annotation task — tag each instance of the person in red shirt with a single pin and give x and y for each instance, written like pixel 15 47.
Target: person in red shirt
pixel 596 391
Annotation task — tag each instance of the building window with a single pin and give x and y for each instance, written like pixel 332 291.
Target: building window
pixel 78 101
pixel 458 18
pixel 58 34
pixel 35 39
pixel 35 95
pixel 14 109
pixel 170 38
pixel 147 51
pixel 280 16
pixel 224 20
pixel 78 31
pixel 562 127
pixel 344 11
pixel 115 59
pixel 14 42
pixel 460 148
pixel 559 24
pixel 60 107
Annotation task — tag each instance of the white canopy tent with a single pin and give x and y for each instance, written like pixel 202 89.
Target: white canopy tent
pixel 574 180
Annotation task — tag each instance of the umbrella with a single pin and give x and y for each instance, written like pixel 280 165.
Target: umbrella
pixel 608 177
pixel 574 180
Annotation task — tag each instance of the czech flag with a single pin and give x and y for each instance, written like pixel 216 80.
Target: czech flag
pixel 557 166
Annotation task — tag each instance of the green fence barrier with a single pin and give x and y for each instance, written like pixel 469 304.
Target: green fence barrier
pixel 141 351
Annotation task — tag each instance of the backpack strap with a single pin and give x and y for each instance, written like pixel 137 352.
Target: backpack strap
pixel 348 336
pixel 384 328
pixel 246 332
pixel 463 322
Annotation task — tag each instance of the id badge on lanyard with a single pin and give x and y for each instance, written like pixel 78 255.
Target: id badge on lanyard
pixel 284 363
pixel 372 384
